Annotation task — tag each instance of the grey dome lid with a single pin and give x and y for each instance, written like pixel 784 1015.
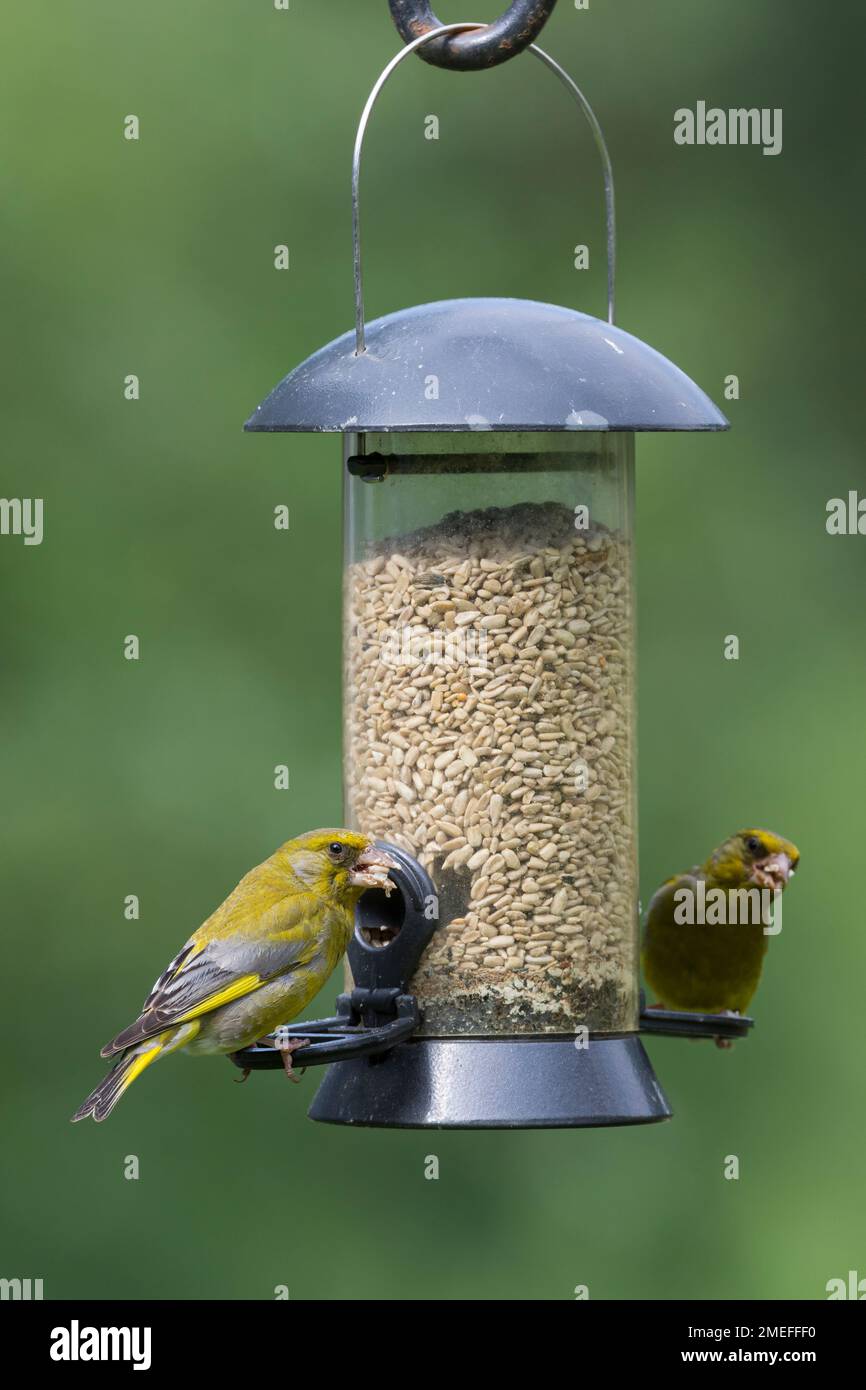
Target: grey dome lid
pixel 500 364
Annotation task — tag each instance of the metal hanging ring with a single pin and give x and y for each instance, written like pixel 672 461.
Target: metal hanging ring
pixel 507 36
pixel 592 121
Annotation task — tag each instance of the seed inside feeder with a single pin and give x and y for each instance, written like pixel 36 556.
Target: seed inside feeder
pixel 489 733
pixel 380 917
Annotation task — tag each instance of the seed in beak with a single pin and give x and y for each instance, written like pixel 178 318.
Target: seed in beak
pixel 371 869
pixel 774 871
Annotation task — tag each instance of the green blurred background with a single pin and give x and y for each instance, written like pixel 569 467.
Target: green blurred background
pixel 156 777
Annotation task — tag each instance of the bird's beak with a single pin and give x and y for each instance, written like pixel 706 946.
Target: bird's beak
pixel 773 872
pixel 371 870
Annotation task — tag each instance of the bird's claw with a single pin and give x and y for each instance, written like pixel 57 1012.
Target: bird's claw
pixel 727 1043
pixel 287 1047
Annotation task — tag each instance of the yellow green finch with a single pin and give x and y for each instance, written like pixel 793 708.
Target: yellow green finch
pixel 701 967
pixel 255 963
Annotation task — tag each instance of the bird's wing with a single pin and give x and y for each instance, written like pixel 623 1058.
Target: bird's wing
pixel 202 977
pixel 661 908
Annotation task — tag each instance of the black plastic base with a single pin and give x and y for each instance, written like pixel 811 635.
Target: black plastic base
pixel 496 1083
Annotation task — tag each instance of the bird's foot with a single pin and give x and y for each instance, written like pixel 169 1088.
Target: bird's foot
pixel 727 1043
pixel 287 1047
pixel 246 1070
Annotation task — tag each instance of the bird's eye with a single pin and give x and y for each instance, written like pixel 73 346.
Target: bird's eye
pixel 336 851
pixel 753 845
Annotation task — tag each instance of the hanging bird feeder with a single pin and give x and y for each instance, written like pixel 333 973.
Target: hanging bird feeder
pixel 489 655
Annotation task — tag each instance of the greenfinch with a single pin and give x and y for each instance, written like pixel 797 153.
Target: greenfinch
pixel 255 963
pixel 714 966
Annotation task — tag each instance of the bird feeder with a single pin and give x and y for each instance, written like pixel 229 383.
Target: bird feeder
pixel 489 695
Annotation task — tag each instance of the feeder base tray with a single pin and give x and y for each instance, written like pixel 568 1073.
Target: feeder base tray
pixel 495 1083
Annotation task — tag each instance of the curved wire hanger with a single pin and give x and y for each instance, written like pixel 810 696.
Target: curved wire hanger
pixel 572 87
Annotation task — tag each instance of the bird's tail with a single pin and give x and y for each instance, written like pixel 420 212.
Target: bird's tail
pixel 102 1101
